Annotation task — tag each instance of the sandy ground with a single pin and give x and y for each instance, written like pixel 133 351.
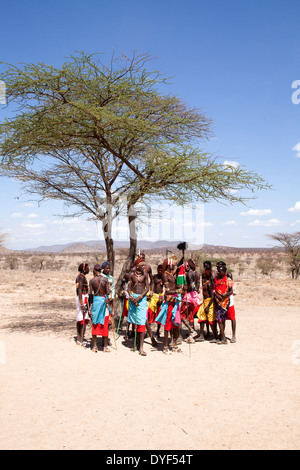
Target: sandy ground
pixel 56 395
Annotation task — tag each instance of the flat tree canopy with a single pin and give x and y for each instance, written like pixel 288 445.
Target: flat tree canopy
pixel 101 138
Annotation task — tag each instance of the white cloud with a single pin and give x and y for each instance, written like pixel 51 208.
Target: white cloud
pixel 16 214
pixel 295 223
pixel 32 216
pixel 231 191
pixel 231 163
pixel 296 148
pixel 230 222
pixel 296 207
pixel 257 212
pixel 33 226
pixel 266 223
pixel 66 221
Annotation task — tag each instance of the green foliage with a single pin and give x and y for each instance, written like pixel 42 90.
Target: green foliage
pixel 102 138
pixel 110 129
pixel 291 245
pixel 266 265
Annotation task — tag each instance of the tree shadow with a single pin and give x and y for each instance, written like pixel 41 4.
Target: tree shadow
pixel 56 317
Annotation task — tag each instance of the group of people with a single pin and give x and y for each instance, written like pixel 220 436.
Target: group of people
pixel 176 295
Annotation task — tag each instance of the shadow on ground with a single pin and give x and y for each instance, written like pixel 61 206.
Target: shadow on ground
pixel 48 317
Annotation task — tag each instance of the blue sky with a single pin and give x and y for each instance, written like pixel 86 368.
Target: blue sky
pixel 235 60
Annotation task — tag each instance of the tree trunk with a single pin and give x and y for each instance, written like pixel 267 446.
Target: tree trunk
pixel 130 257
pixel 107 229
pixel 110 252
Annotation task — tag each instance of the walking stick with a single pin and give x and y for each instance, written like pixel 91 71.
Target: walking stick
pixel 187 315
pixel 112 323
pixel 135 333
pixel 113 330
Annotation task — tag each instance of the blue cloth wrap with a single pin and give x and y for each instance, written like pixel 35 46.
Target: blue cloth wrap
pixel 137 315
pixel 162 316
pixel 98 310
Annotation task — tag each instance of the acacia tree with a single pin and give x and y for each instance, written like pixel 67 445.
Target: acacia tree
pixel 3 238
pixel 291 245
pixel 102 138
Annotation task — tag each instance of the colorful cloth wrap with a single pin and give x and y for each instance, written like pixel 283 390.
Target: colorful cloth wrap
pixel 210 317
pixel 137 314
pixel 169 315
pixel 190 305
pixel 153 307
pixel 125 307
pixel 231 309
pixel 100 310
pixel 80 316
pixel 222 286
pixel 100 316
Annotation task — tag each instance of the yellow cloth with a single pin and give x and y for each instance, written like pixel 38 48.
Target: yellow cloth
pixel 152 303
pixel 210 317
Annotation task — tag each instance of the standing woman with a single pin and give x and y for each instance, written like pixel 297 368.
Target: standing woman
pixel 223 289
pixel 82 288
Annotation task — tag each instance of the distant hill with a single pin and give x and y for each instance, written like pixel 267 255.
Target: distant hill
pixel 97 245
pixel 92 245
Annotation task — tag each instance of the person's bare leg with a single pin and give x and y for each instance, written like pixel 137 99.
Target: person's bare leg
pixel 78 325
pixel 233 327
pixel 149 331
pixel 202 324
pixel 83 331
pixel 94 343
pixel 176 333
pixel 166 341
pixel 105 344
pixel 80 333
pixel 141 344
pixel 223 339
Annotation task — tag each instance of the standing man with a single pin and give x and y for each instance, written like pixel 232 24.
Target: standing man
pixel 190 301
pixel 99 294
pixel 169 315
pixel 125 300
pixel 147 267
pixel 82 317
pixel 138 287
pixel 156 297
pixel 223 289
pixel 148 272
pixel 105 267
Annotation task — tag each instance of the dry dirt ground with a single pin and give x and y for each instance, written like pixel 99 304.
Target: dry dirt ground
pixel 56 395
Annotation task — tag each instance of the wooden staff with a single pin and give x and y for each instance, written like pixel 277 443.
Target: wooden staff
pixel 135 332
pixel 113 328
